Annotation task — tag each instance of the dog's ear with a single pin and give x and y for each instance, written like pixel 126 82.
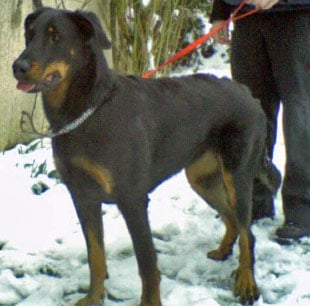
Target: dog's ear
pixel 33 16
pixel 90 26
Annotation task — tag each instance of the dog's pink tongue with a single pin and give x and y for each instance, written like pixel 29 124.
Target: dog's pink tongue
pixel 25 86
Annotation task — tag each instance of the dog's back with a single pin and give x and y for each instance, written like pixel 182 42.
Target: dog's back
pixel 183 116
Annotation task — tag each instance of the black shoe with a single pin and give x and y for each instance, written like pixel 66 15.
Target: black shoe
pixel 263 208
pixel 296 209
pixel 290 232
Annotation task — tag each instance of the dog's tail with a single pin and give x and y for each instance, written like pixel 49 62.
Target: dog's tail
pixel 269 175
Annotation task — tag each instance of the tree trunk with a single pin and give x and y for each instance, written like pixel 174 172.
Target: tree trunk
pixel 13 102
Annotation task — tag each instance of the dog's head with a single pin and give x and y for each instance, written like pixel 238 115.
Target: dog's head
pixel 58 43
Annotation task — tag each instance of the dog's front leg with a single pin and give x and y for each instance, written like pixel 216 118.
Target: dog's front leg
pixel 91 221
pixel 245 286
pixel 137 222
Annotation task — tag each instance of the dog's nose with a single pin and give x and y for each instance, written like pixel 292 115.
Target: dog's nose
pixel 20 67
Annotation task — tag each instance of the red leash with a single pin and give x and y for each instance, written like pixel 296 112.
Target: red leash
pixel 202 39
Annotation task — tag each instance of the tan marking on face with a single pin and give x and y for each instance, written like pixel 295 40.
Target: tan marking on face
pixel 51 29
pixel 56 96
pixel 99 173
pixel 35 72
pixel 60 67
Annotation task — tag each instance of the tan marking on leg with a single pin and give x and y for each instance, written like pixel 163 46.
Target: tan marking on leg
pixel 98 272
pixel 208 178
pixel 150 291
pixel 97 259
pixel 226 246
pixel 204 177
pixel 215 184
pixel 204 165
pixel 246 256
pixel 99 173
pixel 230 187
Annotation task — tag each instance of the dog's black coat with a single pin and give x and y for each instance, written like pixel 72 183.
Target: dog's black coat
pixel 142 132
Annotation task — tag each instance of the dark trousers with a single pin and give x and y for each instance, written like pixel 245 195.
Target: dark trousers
pixel 271 55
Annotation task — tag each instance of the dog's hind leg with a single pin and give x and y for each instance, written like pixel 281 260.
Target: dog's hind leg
pixel 206 177
pixel 245 285
pixel 137 222
pixel 225 248
pixel 230 194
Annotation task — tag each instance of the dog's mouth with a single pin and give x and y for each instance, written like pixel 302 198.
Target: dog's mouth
pixel 50 81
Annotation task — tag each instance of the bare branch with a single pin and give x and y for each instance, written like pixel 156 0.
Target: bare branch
pixel 37 4
pixel 86 2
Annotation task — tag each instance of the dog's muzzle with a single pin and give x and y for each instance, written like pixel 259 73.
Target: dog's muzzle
pixel 22 69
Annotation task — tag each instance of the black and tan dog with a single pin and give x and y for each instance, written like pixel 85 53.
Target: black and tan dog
pixel 117 137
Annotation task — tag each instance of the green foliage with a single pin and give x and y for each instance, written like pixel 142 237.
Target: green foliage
pixel 203 5
pixel 143 37
pixel 36 144
pixel 36 169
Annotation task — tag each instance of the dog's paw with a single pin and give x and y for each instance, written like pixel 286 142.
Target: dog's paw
pixel 245 286
pixel 89 301
pixel 155 303
pixel 219 254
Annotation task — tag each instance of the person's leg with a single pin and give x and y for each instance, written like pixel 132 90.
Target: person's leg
pixel 251 66
pixel 289 47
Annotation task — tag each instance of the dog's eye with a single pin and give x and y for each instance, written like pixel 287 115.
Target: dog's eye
pixel 29 36
pixel 55 37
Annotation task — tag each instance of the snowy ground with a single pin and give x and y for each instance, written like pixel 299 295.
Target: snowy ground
pixel 43 257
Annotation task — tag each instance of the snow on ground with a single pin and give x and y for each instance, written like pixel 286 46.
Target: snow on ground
pixel 43 257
